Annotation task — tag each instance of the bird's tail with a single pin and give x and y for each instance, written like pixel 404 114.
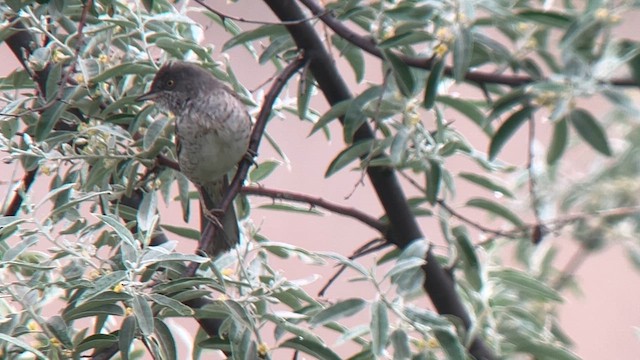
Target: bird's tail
pixel 228 235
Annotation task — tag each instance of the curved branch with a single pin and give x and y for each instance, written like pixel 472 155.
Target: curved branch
pixel 316 201
pixel 370 47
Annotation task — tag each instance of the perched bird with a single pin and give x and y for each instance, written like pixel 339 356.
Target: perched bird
pixel 212 135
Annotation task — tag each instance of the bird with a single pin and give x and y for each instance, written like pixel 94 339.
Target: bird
pixel 212 132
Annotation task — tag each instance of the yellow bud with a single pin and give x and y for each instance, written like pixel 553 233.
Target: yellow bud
pixel 103 58
pixel 93 274
pixel 532 43
pixel 223 297
pixel 58 56
pixel 602 14
pixel 45 170
pixel 227 271
pixel 79 78
pixel 32 326
pixel 118 288
pixel 128 311
pixel 263 349
pixel 55 342
pixel 441 50
pixel 444 34
pixel 433 343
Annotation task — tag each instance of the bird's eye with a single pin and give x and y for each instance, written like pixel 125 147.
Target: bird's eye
pixel 170 83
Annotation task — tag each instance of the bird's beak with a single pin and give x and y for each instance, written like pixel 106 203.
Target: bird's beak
pixel 151 95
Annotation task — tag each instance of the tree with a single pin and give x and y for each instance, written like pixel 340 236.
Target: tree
pixel 70 114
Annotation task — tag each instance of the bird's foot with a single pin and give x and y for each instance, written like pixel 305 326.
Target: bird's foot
pixel 250 156
pixel 214 216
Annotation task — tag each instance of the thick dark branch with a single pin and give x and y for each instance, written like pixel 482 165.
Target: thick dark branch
pixel 370 47
pixel 404 227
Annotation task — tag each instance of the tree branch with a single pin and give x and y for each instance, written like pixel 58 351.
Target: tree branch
pixel 316 201
pixel 370 47
pixel 438 284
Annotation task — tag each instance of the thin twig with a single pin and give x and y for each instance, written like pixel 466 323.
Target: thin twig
pixel 224 17
pixel 319 202
pixel 507 234
pixel 368 248
pixel 570 268
pixel 539 230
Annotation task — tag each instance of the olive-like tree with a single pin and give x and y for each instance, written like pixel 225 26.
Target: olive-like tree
pixel 101 252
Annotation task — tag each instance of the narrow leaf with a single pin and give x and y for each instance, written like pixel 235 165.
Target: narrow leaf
pixel 526 284
pixel 337 311
pixel 318 350
pixel 143 313
pixel 348 155
pixel 486 183
pixel 589 129
pixel 559 141
pixel 379 328
pixel 126 335
pixel 508 129
pixel 402 73
pixel 496 209
pixel 433 83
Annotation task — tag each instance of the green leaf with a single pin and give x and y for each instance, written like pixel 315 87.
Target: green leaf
pixel 451 345
pixel 165 301
pixel 486 183
pixel 58 327
pixel 496 209
pixel 379 328
pixel 462 51
pixel 348 155
pixel 263 170
pixel 147 211
pixel 306 85
pixel 23 345
pixel 155 130
pixel 526 284
pixel 467 252
pixel 338 311
pixel 508 129
pixel 124 69
pixel 166 340
pixel 353 54
pixel 291 328
pixel 509 101
pixel 407 38
pixel 318 350
pixel 559 141
pixel 402 73
pixel 121 230
pixel 96 341
pixel 336 111
pixel 467 108
pixel 355 115
pixel 548 18
pixel 188 233
pixel 143 314
pixel 400 342
pixel 590 131
pixel 399 146
pixel 260 32
pixel 434 180
pixel 126 335
pixel 433 83
pixel 542 350
pixel 291 208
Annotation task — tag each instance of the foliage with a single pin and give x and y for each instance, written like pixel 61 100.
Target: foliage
pixel 70 115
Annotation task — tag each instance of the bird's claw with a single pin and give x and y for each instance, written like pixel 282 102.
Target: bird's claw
pixel 214 216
